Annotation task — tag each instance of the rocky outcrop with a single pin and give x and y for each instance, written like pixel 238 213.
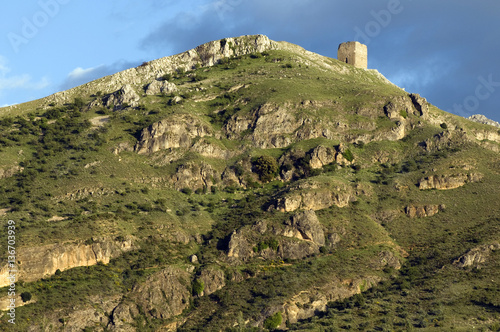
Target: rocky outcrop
pixel 308 303
pixel 305 226
pixel 271 125
pixel 321 156
pixel 314 195
pixel 421 211
pixel 213 279
pixel 160 87
pixel 10 171
pixel 43 261
pixel 175 132
pixel 194 175
pixel 239 247
pixel 452 181
pixel 205 55
pixel 479 118
pixel 399 108
pixel 476 256
pixel 210 149
pixel 93 314
pixel 421 105
pixel 163 295
pixel 124 97
pixel 445 140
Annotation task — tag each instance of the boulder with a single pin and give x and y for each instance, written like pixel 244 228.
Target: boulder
pixel 160 87
pixel 444 182
pixel 306 226
pixel 175 132
pixel 125 97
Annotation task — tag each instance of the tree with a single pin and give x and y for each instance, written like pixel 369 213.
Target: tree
pixel 266 167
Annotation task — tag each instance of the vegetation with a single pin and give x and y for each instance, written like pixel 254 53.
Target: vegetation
pixel 72 179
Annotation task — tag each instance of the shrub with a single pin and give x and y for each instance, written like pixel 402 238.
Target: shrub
pixel 26 296
pixel 198 287
pixel 266 167
pixel 186 191
pixel 403 113
pixel 443 125
pixel 272 322
pixel 347 154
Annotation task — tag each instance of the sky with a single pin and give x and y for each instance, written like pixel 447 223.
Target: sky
pixel 447 51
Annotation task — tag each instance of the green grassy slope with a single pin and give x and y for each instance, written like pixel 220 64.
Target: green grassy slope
pixel 72 170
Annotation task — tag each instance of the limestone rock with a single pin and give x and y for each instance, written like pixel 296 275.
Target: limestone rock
pixel 121 98
pixel 174 132
pixel 43 261
pixel 312 195
pixel 213 279
pixel 194 175
pixel 160 87
pixel 421 105
pixel 296 249
pixel 445 140
pixel 476 256
pixel 421 211
pixel 443 182
pixel 163 295
pixel 306 226
pixel 8 172
pixel 239 247
pixel 479 118
pixel 321 156
pixel 309 302
pixel 395 109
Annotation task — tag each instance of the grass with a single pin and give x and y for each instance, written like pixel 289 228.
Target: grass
pixel 71 172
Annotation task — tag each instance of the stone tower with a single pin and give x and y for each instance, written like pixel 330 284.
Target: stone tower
pixel 353 53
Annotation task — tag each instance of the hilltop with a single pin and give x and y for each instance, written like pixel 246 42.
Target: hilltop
pixel 249 184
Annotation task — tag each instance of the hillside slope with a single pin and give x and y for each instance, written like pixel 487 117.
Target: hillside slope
pixel 249 184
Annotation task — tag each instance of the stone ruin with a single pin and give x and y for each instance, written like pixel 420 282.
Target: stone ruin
pixel 353 53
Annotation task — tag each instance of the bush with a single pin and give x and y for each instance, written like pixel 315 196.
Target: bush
pixel 186 191
pixel 443 125
pixel 272 322
pixel 266 167
pixel 198 287
pixel 347 154
pixel 26 296
pixel 403 113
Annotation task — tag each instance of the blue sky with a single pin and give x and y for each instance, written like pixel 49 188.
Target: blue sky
pixel 447 50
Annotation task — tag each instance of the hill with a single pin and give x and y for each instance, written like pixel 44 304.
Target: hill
pixel 248 184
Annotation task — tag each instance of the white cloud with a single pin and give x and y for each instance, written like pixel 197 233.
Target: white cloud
pixel 20 81
pixel 79 75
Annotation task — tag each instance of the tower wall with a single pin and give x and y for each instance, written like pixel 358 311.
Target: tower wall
pixel 353 53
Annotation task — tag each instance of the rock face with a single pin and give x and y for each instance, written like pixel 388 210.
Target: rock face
pixel 479 118
pixel 321 156
pixel 194 176
pixel 420 104
pixel 8 172
pixel 175 132
pixel 315 196
pixel 443 182
pixel 122 98
pixel 44 261
pixel 160 87
pixel 163 295
pixel 446 139
pixel 213 279
pixel 306 226
pixel 422 211
pixel 205 55
pixel 476 256
pixel 239 247
pixel 308 303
